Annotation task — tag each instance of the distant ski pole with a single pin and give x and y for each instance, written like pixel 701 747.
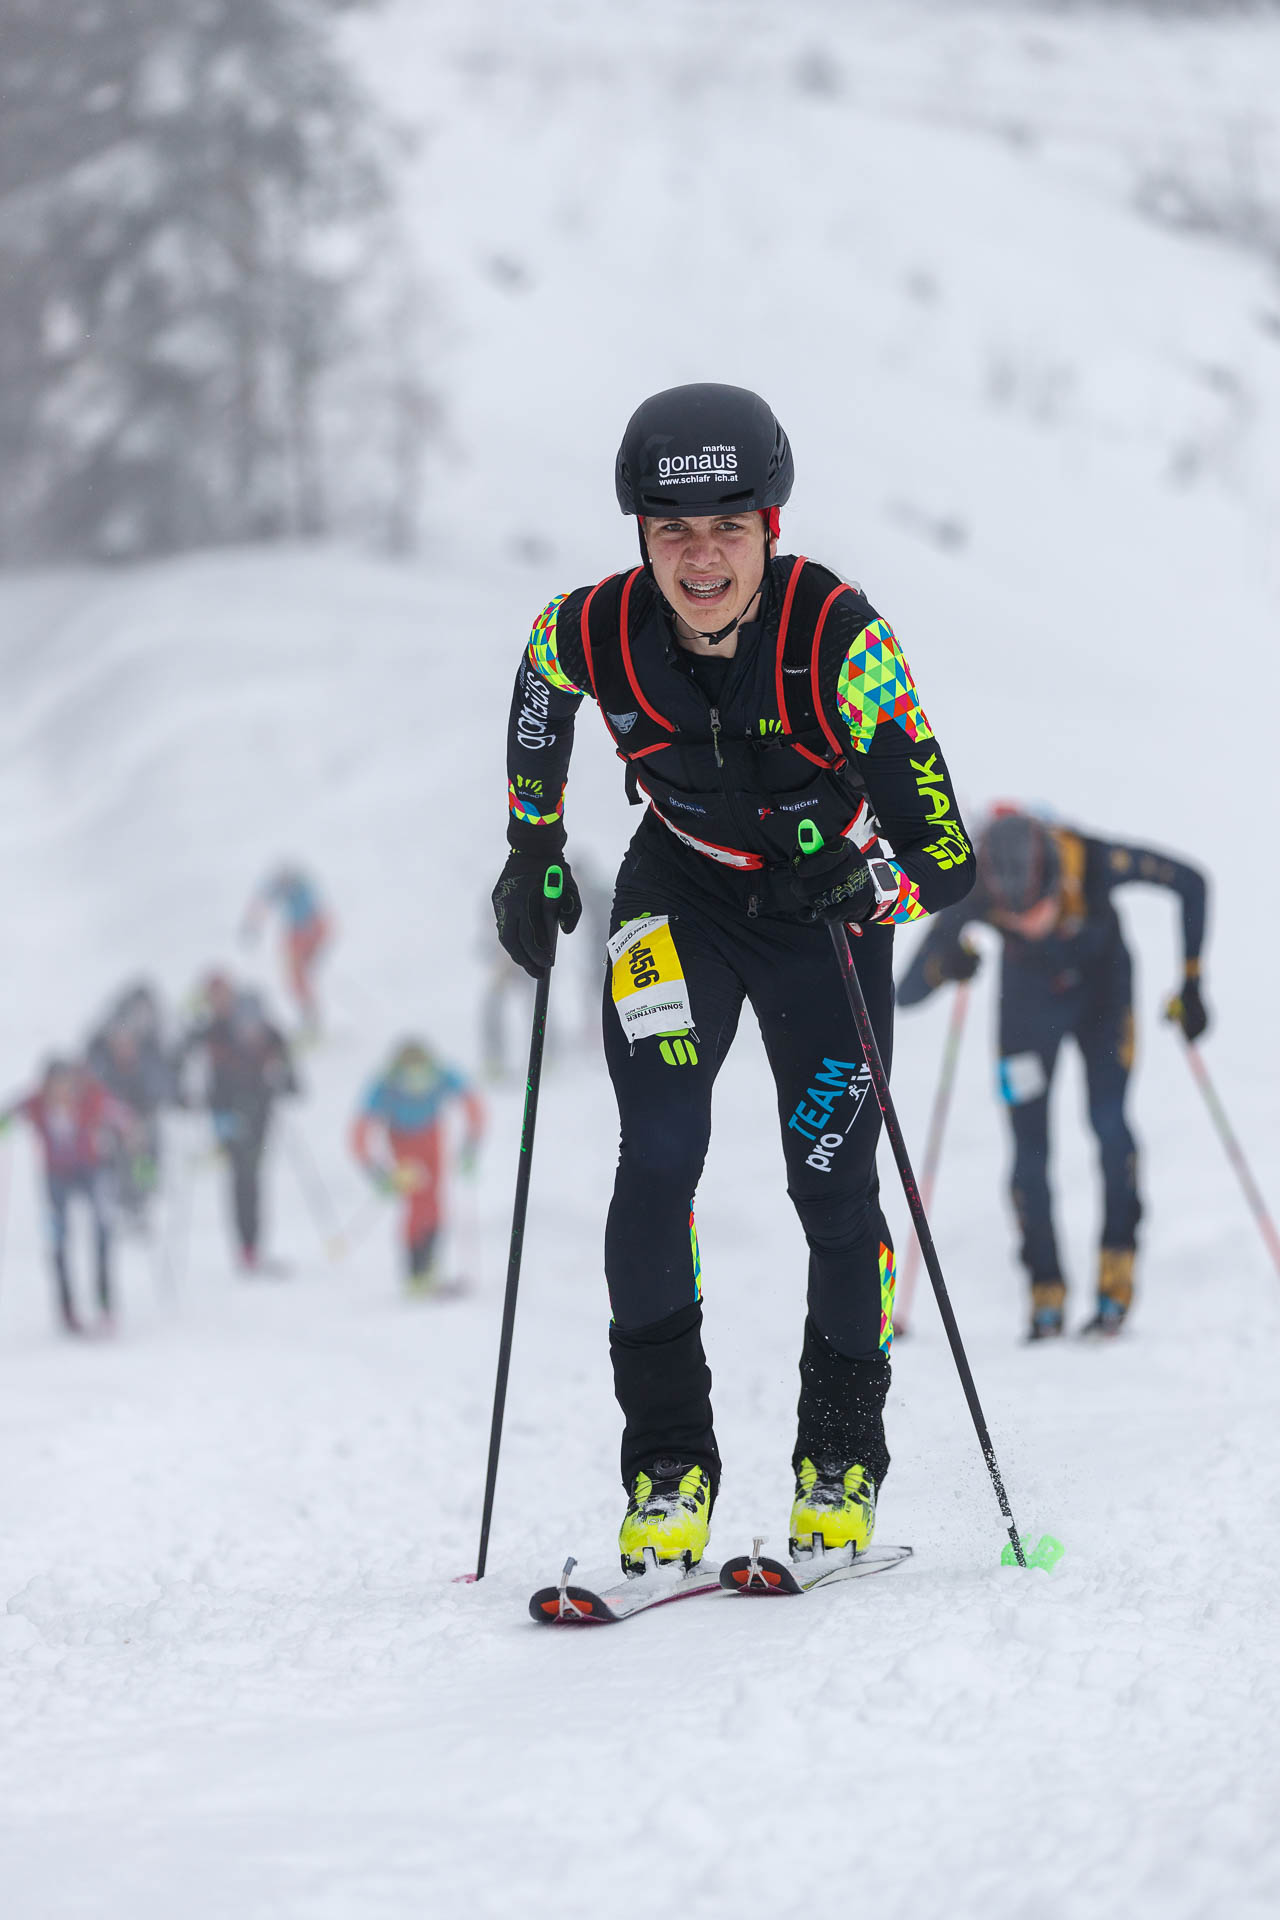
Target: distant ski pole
pixel 5 1169
pixel 315 1192
pixel 933 1149
pixel 552 887
pixel 880 1081
pixel 1234 1151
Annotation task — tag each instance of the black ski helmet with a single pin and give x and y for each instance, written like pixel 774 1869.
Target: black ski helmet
pixel 703 449
pixel 1018 859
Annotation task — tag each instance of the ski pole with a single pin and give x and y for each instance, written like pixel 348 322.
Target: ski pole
pixel 5 1173
pixel 315 1192
pixel 933 1148
pixel 552 887
pixel 468 1229
pixel 177 1225
pixel 880 1081
pixel 1234 1151
pixel 358 1225
pixel 810 840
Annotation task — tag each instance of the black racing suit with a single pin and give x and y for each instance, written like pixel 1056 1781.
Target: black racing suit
pixel 247 1071
pixel 140 1073
pixel 1077 982
pixel 728 783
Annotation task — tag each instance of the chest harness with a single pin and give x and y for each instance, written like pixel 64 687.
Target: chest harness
pixel 747 784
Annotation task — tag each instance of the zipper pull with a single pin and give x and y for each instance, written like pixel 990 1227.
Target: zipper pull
pixel 753 905
pixel 715 734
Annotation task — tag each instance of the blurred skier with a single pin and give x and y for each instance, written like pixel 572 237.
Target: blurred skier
pixel 746 694
pixel 1065 970
pixel 399 1138
pixel 307 931
pixel 127 1054
pixel 81 1127
pixel 244 1068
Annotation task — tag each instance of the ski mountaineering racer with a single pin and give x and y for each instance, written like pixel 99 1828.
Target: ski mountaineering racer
pixel 82 1127
pixel 307 929
pixel 399 1136
pixel 1065 970
pixel 244 1069
pixel 746 694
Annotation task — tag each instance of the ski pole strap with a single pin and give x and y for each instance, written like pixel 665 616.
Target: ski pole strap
pixel 809 838
pixel 553 883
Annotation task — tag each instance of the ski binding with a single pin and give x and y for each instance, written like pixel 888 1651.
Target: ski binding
pixel 574 1606
pixel 808 1567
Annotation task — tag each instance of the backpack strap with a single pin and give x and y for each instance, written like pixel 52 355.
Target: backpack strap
pixel 807 601
pixel 784 624
pixel 814 683
pixel 584 629
pixel 624 629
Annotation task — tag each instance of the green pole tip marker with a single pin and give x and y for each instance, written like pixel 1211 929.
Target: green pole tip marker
pixel 1046 1554
pixel 809 837
pixel 553 883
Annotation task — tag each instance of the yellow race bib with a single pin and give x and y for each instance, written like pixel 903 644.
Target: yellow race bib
pixel 649 987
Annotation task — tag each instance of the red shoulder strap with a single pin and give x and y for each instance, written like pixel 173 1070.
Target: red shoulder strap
pixel 823 722
pixel 584 628
pixel 623 627
pixel 783 624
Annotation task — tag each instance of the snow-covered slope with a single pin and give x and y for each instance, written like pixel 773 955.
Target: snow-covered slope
pixel 235 1674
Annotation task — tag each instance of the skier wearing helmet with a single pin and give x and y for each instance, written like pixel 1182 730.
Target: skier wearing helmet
pixel 1065 970
pixel 399 1138
pixel 746 693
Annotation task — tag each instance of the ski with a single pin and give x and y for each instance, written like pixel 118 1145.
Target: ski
pixel 754 1572
pixel 574 1606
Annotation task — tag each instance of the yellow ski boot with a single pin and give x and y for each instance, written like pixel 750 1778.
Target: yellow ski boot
pixel 668 1515
pixel 834 1507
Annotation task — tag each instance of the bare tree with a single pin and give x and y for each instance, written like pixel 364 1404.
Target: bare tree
pixel 187 194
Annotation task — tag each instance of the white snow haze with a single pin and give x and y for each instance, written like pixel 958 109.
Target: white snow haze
pixel 983 262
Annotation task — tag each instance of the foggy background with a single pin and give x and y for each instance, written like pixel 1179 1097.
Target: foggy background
pixel 319 324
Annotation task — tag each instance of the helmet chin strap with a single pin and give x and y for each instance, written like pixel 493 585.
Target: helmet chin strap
pixel 770 518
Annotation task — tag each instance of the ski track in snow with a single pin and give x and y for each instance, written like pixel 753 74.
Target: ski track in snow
pixel 237 1676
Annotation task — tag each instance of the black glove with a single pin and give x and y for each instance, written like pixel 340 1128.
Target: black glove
pixel 965 962
pixel 1186 1007
pixel 835 884
pixel 958 964
pixel 526 914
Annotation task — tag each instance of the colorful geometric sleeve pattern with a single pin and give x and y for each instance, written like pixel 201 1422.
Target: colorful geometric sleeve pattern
pixel 875 685
pixel 525 809
pixel 543 656
pixel 907 905
pixel 888 1287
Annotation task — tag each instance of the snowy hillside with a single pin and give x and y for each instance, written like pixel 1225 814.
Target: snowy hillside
pixel 1042 429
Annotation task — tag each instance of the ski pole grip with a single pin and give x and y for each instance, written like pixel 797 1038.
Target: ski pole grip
pixel 809 837
pixel 553 883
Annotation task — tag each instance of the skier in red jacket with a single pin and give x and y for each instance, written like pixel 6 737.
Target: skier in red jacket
pixel 81 1128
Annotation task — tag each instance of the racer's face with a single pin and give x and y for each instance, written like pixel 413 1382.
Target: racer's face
pixel 1037 923
pixel 708 568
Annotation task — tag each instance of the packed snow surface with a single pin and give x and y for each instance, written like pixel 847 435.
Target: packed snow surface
pixel 237 1677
